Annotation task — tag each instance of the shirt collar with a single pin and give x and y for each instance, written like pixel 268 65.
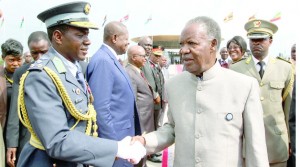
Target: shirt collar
pixel 265 60
pixel 135 67
pixel 112 50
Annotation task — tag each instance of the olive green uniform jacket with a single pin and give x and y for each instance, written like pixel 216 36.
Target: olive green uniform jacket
pixel 275 83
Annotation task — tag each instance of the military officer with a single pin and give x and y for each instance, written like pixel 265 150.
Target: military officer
pixel 55 101
pixel 275 77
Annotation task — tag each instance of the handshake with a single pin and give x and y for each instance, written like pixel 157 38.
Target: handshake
pixel 131 149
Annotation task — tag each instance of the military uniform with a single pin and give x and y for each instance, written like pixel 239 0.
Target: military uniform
pixel 56 108
pixel 51 121
pixel 275 92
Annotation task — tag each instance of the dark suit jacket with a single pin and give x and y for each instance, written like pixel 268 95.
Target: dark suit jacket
pixel 292 120
pixel 144 99
pixel 17 135
pixel 114 102
pixel 51 121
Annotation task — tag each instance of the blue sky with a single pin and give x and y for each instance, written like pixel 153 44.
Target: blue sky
pixel 168 17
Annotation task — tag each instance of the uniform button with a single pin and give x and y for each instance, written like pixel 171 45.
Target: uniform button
pixel 197 160
pixel 198 112
pixel 199 87
pixel 197 136
pixel 261 84
pixel 262 98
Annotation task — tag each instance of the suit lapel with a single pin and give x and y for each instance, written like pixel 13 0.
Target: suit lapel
pixel 252 69
pixel 269 68
pixel 118 65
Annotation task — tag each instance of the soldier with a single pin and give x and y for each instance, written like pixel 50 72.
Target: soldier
pixel 275 77
pixel 58 111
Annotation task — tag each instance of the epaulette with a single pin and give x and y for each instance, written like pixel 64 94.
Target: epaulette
pixel 243 58
pixel 36 66
pixel 280 58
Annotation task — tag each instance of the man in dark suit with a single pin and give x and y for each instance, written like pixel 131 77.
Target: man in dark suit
pixel 117 115
pixel 56 103
pixel 142 90
pixel 17 135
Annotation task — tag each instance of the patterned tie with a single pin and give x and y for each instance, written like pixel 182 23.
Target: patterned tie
pixel 261 71
pixel 80 78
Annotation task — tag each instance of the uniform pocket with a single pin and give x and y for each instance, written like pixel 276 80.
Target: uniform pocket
pixel 276 91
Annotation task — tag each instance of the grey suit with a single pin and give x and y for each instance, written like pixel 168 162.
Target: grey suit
pixel 51 121
pixel 144 99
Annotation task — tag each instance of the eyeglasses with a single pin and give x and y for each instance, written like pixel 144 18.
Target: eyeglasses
pixel 233 47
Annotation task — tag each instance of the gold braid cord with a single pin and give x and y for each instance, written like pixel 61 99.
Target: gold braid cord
pixel 90 116
pixel 290 86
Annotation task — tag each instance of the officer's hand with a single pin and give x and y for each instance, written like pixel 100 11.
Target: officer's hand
pixel 11 156
pixel 157 100
pixel 132 152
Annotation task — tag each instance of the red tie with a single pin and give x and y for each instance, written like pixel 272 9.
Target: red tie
pixel 142 74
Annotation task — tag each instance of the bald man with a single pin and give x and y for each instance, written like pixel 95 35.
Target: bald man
pixel 114 102
pixel 142 90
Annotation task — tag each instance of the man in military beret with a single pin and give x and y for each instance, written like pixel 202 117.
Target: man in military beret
pixel 275 77
pixel 55 101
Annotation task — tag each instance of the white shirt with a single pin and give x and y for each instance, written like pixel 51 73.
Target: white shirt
pixel 112 50
pixel 257 66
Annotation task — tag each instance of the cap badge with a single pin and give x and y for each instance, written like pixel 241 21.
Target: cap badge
pixel 87 9
pixel 256 23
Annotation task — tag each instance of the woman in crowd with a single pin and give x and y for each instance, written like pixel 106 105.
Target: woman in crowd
pixel 236 48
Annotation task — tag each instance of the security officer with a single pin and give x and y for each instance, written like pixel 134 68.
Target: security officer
pixel 275 77
pixel 56 103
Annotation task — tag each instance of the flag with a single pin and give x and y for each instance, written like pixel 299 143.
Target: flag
pixel 251 17
pixel 276 17
pixel 148 20
pixel 104 20
pixel 228 17
pixel 2 22
pixel 125 18
pixel 21 25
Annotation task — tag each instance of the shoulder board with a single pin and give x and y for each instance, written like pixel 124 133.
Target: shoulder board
pixel 280 58
pixel 239 60
pixel 36 66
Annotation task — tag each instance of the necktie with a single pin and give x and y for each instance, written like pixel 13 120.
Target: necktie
pixel 80 79
pixel 142 74
pixel 261 71
pixel 224 64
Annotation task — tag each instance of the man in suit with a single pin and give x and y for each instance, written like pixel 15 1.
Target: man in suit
pixel 225 61
pixel 151 73
pixel 56 103
pixel 275 78
pixel 17 135
pixel 141 88
pixel 117 115
pixel 207 121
